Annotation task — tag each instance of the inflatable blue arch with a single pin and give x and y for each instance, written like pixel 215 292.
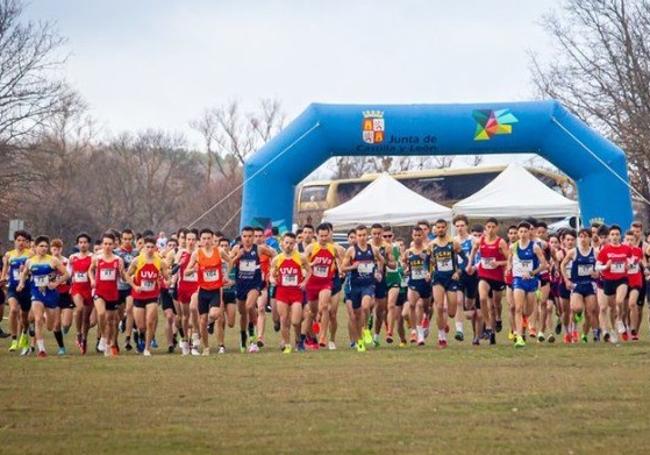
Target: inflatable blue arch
pixel 546 128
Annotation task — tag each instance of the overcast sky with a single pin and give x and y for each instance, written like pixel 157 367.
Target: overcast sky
pixel 159 63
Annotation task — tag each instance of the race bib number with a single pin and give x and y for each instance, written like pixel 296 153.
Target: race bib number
pixel 15 273
pixel 211 275
pixel 366 268
pixel 567 269
pixel 148 285
pixel 618 267
pixel 192 277
pixel 290 280
pixel 41 281
pixel 419 274
pixel 634 269
pixel 107 275
pixel 488 263
pixel 247 266
pixel 80 277
pixel 404 282
pixel 321 271
pixel 525 266
pixel 444 265
pixel 585 269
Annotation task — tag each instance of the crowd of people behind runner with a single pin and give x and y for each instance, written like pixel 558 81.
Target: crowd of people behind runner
pixel 580 286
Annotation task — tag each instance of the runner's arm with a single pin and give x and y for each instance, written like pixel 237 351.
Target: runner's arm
pixel 307 266
pixel 191 266
pixel 24 272
pixel 543 265
pixel 5 268
pixel 347 261
pixel 91 272
pixel 565 260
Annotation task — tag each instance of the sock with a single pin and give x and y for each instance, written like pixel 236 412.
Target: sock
pixel 441 334
pixel 32 332
pixel 303 337
pixel 58 335
pixel 242 335
pixel 420 331
pixel 459 326
pixel 375 337
pixel 66 330
pixel 41 345
pixel 13 337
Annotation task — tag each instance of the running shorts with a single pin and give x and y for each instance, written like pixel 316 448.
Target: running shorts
pixel 289 295
pixel 446 281
pixel 422 287
pixel 610 286
pixel 357 293
pixel 65 302
pixel 585 289
pixel 312 292
pixel 49 298
pixel 209 299
pixel 381 290
pixel 166 300
pixel 526 285
pixel 24 298
pixel 495 286
pixel 243 287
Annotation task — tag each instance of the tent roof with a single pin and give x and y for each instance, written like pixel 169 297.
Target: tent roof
pixel 385 200
pixel 516 193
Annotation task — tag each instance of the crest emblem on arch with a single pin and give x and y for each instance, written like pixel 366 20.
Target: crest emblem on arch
pixel 373 127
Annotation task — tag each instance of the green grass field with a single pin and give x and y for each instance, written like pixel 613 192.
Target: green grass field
pixel 550 399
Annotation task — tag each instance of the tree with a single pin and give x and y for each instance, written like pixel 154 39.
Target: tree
pixel 29 94
pixel 601 71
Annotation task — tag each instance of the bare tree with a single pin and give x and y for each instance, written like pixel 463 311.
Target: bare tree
pixel 601 71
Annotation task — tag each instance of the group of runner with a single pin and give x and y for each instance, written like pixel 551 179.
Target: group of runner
pixel 592 282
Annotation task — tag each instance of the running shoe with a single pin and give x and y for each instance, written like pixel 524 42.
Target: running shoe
pixel 578 317
pixel 128 346
pixel 524 321
pixel 147 353
pixel 101 345
pixel 575 337
pixel 613 338
pixel 260 342
pixel 206 352
pixel 499 326
pixel 253 348
pixel 519 342
pixel 567 338
pixel 442 344
pixel 414 336
pixel 540 337
pixel 26 351
pixel 606 337
pixel 115 351
pixel 222 349
pixel 583 338
pixel 23 341
pixel 421 342
pixel 287 349
pixel 597 335
pixel 635 336
pixel 375 340
pixel 41 354
pixel 4 334
pixel 558 327
pixel 301 346
pixel 625 336
pixel 533 333
pixel 402 344
pixel 61 351
pixel 493 337
pixel 194 351
pixel 13 346
pixel 154 344
pixel 331 346
pixel 367 336
pixel 511 336
pixel 476 341
pixel 425 326
pixel 389 338
pixel 551 338
pixel 459 336
pixel 315 327
pixel 361 346
pixel 276 326
pixel 185 347
pixel 140 346
pixel 170 349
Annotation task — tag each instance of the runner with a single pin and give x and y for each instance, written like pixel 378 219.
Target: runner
pixel 144 276
pixel 266 253
pixel 539 322
pixel 290 273
pixel 446 274
pixel 322 256
pixel 347 298
pixel 104 271
pixel 397 283
pixel 229 298
pixel 126 253
pixel 526 260
pixel 66 305
pixel 381 288
pixel 461 224
pixel 80 290
pixel 207 261
pixel 361 260
pixel 568 241
pixel 19 302
pixel 635 275
pixel 306 238
pixel 46 274
pixel 246 259
pixel 580 278
pixel 513 237
pixel 168 295
pixel 337 288
pixel 612 262
pixel 188 285
pixel 417 260
pixel 494 256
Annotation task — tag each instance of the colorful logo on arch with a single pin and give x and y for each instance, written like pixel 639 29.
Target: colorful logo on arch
pixel 491 123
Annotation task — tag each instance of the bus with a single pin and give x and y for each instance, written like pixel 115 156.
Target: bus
pixel 445 186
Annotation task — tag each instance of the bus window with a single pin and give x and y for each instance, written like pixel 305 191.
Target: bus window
pixel 347 190
pixel 316 193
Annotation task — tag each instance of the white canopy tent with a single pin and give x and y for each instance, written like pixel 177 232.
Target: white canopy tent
pixel 516 193
pixel 387 201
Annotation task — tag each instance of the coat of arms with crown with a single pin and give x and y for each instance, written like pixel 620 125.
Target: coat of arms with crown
pixel 373 127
